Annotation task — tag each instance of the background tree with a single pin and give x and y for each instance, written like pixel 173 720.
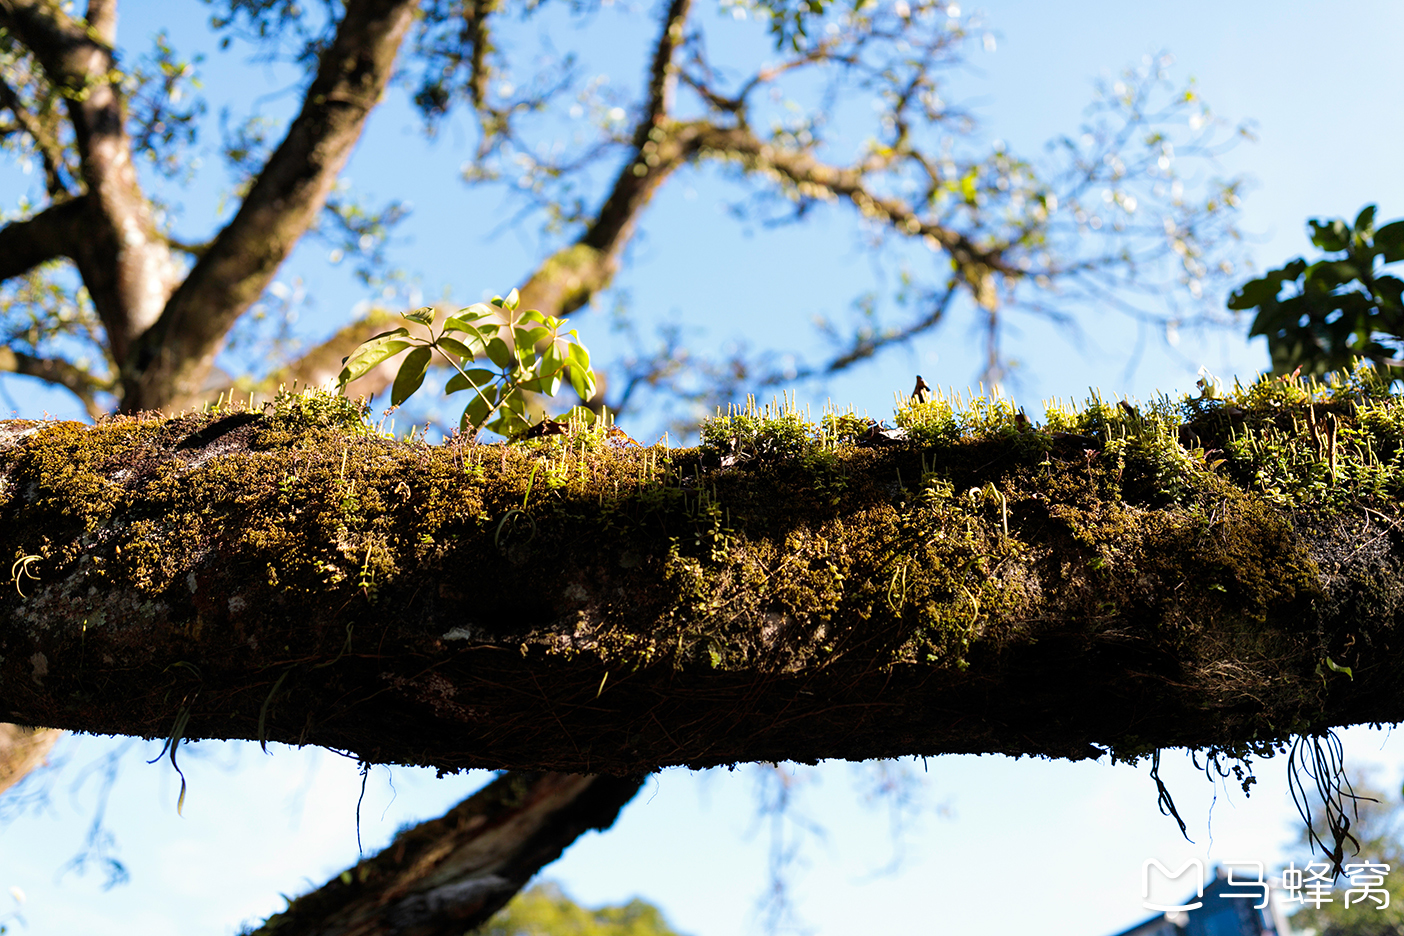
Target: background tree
pixel 1337 309
pixel 545 910
pixel 143 330
pixel 102 299
pixel 1377 823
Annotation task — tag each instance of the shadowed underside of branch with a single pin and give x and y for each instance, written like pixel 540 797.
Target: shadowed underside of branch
pixel 567 605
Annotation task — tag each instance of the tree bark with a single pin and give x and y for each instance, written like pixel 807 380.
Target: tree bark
pixel 178 351
pixel 51 234
pixel 567 605
pixel 449 875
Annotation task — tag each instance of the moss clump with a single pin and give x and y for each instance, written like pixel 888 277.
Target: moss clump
pixel 777 430
pixel 319 409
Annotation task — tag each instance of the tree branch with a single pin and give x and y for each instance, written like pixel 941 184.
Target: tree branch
pixel 53 233
pixel 319 366
pixel 1050 593
pixel 179 350
pixel 45 140
pixel 646 170
pixel 568 278
pixel 124 261
pixel 56 371
pixel 449 875
pixel 799 169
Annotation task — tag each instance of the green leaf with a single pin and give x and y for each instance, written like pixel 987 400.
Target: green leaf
pixel 583 413
pixel 548 384
pixel 372 353
pixel 455 347
pixel 578 355
pixel 1389 241
pixel 583 382
pixel 1331 664
pixel 509 424
pixel 477 377
pixel 1329 235
pixel 1263 291
pixel 512 300
pixel 533 315
pixel 500 354
pixel 528 338
pixel 411 375
pixel 475 414
pixel 474 333
pixel 553 359
pixel 1365 220
pixel 423 315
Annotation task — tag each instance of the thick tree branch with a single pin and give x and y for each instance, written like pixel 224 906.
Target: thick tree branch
pixel 55 232
pixel 179 350
pixel 124 261
pixel 319 366
pixel 1011 590
pixel 79 382
pixel 449 875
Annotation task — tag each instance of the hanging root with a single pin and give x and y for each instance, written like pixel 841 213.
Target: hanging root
pixel 1167 805
pixel 1320 758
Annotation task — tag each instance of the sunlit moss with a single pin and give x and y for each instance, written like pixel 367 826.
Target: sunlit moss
pixel 1194 526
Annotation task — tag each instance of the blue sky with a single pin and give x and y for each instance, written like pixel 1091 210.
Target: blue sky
pixel 1003 845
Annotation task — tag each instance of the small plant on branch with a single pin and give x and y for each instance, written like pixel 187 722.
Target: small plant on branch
pixel 527 352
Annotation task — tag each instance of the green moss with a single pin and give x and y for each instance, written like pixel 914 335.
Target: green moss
pixel 1186 529
pixel 315 408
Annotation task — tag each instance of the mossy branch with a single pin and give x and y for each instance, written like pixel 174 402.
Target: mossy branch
pixel 1118 578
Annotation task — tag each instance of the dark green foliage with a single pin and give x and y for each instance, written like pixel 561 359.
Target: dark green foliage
pixel 1341 307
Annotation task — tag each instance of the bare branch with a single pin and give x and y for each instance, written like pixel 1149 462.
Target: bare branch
pixel 657 150
pixel 568 278
pixel 799 170
pixel 79 382
pixel 179 350
pixel 452 873
pixel 663 73
pixel 52 233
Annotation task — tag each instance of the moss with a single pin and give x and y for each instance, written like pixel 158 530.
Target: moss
pixel 1156 541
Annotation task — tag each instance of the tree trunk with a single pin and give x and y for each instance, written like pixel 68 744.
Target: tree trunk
pixel 569 605
pixel 449 875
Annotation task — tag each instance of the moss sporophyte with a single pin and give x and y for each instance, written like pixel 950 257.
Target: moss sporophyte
pixel 1227 559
